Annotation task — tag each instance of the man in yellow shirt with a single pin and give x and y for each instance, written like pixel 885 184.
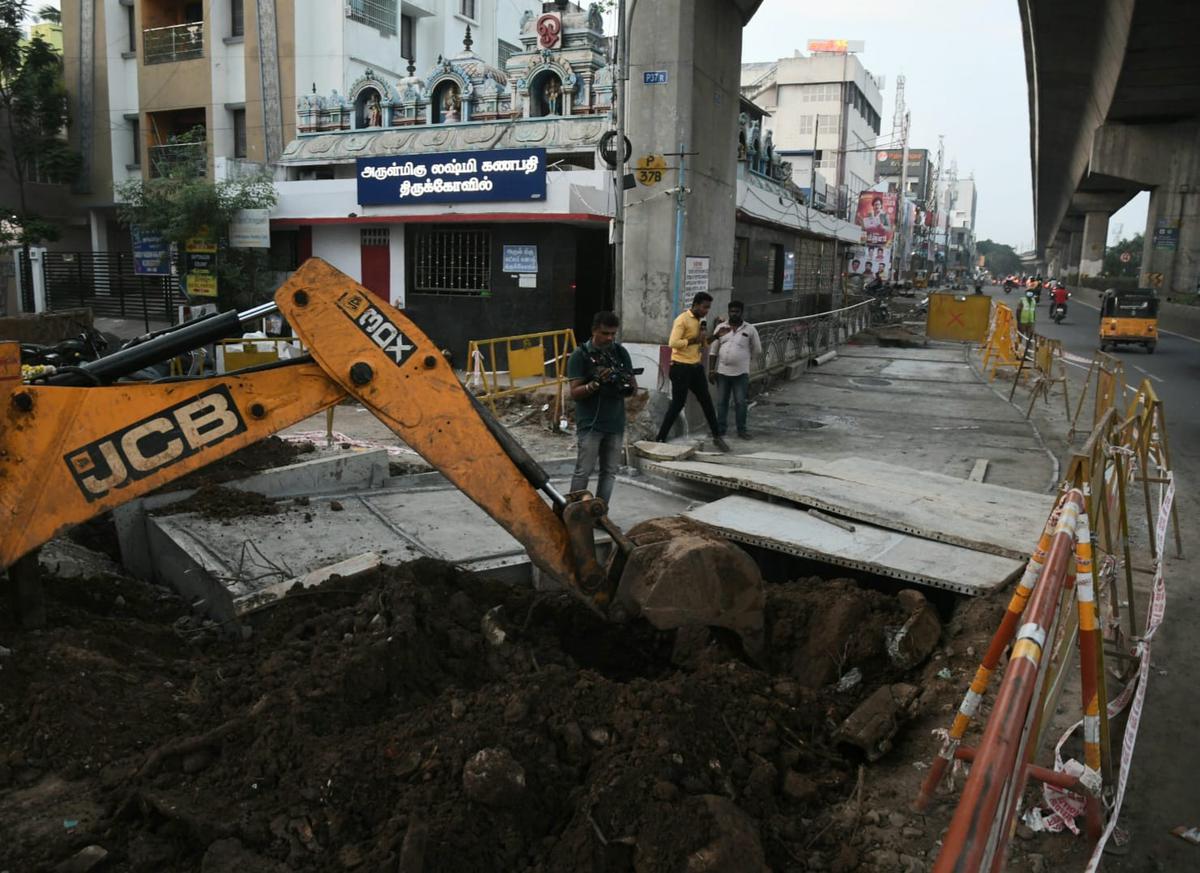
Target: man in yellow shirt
pixel 688 341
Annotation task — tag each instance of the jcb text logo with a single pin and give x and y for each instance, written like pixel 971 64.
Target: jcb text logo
pixel 144 448
pixel 375 325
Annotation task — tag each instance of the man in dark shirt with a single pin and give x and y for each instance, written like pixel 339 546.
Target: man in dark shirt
pixel 601 376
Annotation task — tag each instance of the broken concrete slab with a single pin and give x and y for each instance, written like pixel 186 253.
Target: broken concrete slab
pixel 872 725
pixel 986 518
pixel 346 569
pixel 655 451
pixel 776 462
pixel 224 562
pixel 867 548
pixel 329 472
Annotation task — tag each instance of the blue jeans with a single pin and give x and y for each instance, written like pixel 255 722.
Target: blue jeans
pixel 739 388
pixel 594 446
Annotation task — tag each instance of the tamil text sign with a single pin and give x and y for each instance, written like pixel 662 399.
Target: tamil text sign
pixel 520 259
pixel 453 177
pixel 250 229
pixel 151 253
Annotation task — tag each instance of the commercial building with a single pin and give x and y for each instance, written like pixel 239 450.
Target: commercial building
pixel 824 117
pixel 142 74
pixel 918 181
pixel 960 204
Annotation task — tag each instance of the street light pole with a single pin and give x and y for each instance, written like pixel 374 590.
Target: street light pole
pixel 623 20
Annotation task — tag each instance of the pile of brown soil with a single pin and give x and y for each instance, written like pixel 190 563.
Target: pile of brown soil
pixel 219 502
pixel 420 719
pixel 254 458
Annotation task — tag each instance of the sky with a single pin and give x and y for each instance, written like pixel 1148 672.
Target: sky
pixel 964 69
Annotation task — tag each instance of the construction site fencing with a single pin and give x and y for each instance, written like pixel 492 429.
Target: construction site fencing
pixel 509 365
pixel 1068 600
pixel 789 340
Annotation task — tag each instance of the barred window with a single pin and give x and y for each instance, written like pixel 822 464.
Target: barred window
pixel 467 8
pixel 379 14
pixel 452 261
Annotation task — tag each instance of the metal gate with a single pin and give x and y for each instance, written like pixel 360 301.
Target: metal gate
pixel 105 283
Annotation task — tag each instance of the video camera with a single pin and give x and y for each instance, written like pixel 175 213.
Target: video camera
pixel 620 378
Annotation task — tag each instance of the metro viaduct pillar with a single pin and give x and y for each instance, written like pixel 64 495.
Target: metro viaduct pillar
pixel 1166 159
pixel 1074 256
pixel 1092 241
pixel 698 44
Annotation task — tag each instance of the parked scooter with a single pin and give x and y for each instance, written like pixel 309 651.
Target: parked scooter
pixel 87 346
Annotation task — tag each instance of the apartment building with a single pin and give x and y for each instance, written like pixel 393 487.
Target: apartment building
pixel 227 73
pixel 823 116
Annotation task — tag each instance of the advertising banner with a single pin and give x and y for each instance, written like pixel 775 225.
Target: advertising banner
pixel 888 162
pixel 877 217
pixel 250 229
pixel 453 177
pixel 869 261
pixel 200 262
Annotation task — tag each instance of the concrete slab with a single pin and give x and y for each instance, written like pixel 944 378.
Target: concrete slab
pixel 227 562
pixel 987 518
pixel 867 548
pixel 934 353
pixel 664 451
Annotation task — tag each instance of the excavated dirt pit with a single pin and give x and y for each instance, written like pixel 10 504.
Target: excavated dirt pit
pixel 420 719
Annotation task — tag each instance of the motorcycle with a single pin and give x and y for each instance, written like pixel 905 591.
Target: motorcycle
pixel 1058 312
pixel 87 346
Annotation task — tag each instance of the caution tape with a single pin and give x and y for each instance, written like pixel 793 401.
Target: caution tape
pixel 1067 807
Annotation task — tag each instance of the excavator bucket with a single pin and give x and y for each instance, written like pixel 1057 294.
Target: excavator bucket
pixel 683 574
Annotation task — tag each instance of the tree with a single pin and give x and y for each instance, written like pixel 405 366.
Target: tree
pixel 180 203
pixel 1000 259
pixel 49 13
pixel 1114 266
pixel 33 118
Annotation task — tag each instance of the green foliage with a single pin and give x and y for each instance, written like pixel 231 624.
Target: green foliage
pixel 182 203
pixel 33 118
pixel 49 13
pixel 1000 259
pixel 1112 257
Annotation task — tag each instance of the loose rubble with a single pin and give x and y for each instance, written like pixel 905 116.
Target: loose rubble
pixel 416 718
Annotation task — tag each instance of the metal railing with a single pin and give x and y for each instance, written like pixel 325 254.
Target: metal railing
pixel 789 340
pixel 184 158
pixel 379 14
pixel 179 42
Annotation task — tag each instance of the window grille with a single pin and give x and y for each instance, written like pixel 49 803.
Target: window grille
pixel 504 51
pixel 452 262
pixel 379 14
pixel 237 18
pixel 375 236
pixel 467 8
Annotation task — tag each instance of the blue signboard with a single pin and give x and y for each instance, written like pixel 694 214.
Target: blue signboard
pixel 520 259
pixel 453 177
pixel 654 77
pixel 151 253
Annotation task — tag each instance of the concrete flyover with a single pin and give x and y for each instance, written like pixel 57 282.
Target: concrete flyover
pixel 1114 108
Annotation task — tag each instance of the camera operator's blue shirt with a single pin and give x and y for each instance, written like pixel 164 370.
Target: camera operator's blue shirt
pixel 604 411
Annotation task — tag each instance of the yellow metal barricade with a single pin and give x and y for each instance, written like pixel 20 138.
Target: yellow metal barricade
pixel 509 365
pixel 962 317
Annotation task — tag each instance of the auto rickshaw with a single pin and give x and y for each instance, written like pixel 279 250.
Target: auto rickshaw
pixel 1129 317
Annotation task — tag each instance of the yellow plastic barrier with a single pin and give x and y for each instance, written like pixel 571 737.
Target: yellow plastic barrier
pixel 509 365
pixel 961 317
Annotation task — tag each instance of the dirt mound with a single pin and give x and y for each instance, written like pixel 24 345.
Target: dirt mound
pixel 262 455
pixel 421 719
pixel 218 501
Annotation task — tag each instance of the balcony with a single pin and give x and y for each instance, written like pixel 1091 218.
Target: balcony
pixel 179 160
pixel 179 42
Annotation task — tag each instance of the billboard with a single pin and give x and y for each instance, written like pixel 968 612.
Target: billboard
pixel 869 261
pixel 454 177
pixel 887 162
pixel 836 46
pixel 877 217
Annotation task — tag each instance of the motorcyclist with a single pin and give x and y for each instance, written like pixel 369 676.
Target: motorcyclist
pixel 1059 297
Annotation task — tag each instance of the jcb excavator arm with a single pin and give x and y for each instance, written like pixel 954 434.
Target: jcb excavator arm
pixel 68 454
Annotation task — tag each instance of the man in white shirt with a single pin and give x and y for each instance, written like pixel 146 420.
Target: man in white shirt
pixel 736 346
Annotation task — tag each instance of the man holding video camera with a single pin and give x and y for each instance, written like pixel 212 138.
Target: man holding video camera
pixel 602 376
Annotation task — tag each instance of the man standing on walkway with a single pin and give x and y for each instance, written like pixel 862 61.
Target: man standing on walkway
pixel 601 375
pixel 688 342
pixel 1027 313
pixel 735 346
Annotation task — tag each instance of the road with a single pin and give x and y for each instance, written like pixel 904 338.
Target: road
pixel 1164 790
